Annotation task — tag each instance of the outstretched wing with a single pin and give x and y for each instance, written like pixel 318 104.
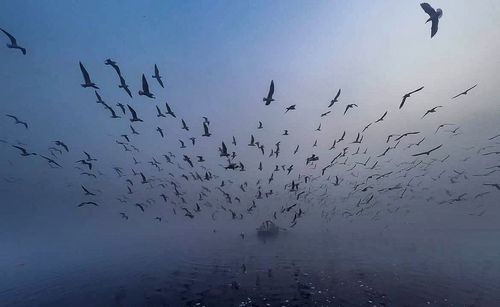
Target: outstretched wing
pixel 145 86
pixel 428 9
pixel 85 74
pixel 434 27
pixel 12 38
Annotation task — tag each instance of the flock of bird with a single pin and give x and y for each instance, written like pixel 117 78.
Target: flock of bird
pixel 184 183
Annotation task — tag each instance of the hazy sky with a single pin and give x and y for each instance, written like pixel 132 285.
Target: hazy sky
pixel 217 59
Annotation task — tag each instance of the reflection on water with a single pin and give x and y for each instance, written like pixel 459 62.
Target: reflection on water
pixel 216 269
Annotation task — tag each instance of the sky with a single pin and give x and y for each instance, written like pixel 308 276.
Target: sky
pixel 217 59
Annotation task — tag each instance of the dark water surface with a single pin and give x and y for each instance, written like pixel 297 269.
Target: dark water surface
pixel 324 268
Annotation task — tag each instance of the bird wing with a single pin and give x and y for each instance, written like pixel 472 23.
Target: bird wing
pixel 271 89
pixel 145 86
pixel 417 90
pixel 338 94
pixel 434 27
pixel 157 72
pixel 403 101
pixel 471 88
pixel 85 74
pixel 132 111
pixel 428 9
pixel 12 38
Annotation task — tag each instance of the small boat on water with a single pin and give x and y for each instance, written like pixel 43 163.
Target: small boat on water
pixel 268 228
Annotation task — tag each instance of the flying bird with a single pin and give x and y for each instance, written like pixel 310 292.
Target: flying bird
pixel 335 99
pixel 349 106
pixel 59 143
pixel 124 86
pixel 13 42
pixel 17 121
pixel 427 152
pixel 270 94
pixel 290 108
pixel 464 92
pixel 145 88
pixel 86 78
pixel 157 76
pixel 382 118
pixel 24 152
pixel 88 203
pixel 433 110
pixel 407 95
pixel 134 115
pixel 205 129
pixel 434 16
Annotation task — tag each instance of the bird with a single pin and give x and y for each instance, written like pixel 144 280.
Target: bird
pixel 86 78
pixel 464 92
pixel 114 65
pixel 51 161
pixel 157 76
pixel 205 129
pixel 290 108
pixel 134 115
pixel 13 42
pixel 145 88
pixel 434 16
pixel 17 121
pixel 335 99
pixel 260 125
pixel 160 131
pixel 496 185
pixel 427 152
pixel 124 86
pixel 88 203
pixel 382 118
pixel 407 95
pixel 169 111
pixel 87 192
pixel 349 106
pixel 441 126
pixel 325 114
pixel 159 112
pixel 24 152
pixel 270 94
pixel 140 206
pixel 431 110
pixel 59 143
pixel 184 126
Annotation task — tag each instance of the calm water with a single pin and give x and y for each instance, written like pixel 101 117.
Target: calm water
pixel 326 268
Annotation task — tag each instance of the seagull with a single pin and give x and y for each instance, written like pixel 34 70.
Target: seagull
pixel 349 106
pixel 290 108
pixel 124 86
pixel 140 206
pixel 87 192
pixel 24 153
pixel 86 78
pixel 270 94
pixel 496 185
pixel 145 88
pixel 114 65
pixel 205 129
pixel 441 126
pixel 335 99
pixel 169 111
pixel 407 95
pixel 382 118
pixel 160 131
pixel 325 114
pixel 434 16
pixel 17 121
pixel 427 152
pixel 157 76
pixel 159 112
pixel 13 43
pixel 464 92
pixel 431 110
pixel 88 203
pixel 51 161
pixel 260 125
pixel 184 126
pixel 134 115
pixel 59 143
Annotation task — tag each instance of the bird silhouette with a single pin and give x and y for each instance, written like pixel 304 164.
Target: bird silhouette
pixel 13 42
pixel 157 76
pixel 145 88
pixel 86 78
pixel 464 92
pixel 270 94
pixel 407 95
pixel 434 16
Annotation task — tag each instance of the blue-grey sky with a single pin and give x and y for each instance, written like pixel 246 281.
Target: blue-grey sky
pixel 217 59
